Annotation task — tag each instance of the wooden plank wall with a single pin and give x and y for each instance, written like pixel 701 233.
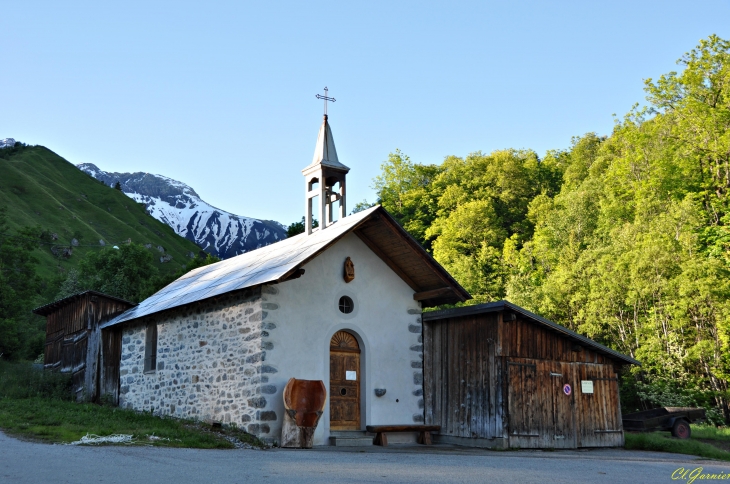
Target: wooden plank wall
pixel 542 415
pixel 462 393
pixel 523 339
pixel 578 420
pixel 599 413
pixel 111 354
pixel 73 343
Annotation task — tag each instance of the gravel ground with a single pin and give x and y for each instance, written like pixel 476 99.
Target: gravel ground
pixel 27 462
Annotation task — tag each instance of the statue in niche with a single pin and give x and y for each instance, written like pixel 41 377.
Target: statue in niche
pixel 349 270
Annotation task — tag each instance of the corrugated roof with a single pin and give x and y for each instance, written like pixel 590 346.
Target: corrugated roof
pixel 47 309
pixel 273 263
pixel 506 305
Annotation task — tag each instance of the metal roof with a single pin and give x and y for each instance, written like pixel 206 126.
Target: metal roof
pixel 506 305
pixel 324 151
pixel 47 309
pixel 270 264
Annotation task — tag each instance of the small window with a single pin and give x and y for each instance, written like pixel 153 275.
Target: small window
pixel 150 348
pixel 346 305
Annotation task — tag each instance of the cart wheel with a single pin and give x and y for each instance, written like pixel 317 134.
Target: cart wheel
pixel 681 429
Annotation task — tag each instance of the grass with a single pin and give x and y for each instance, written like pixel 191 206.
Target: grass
pixel 37 405
pixel 22 380
pixel 58 421
pixel 710 432
pixel 39 187
pixel 660 442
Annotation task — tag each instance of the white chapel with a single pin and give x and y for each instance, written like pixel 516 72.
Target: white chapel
pixel 340 303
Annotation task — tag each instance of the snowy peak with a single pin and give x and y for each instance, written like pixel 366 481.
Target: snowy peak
pixel 176 204
pixel 7 143
pixel 139 182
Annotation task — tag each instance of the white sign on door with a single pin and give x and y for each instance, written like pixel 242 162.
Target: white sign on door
pixel 586 386
pixel 352 375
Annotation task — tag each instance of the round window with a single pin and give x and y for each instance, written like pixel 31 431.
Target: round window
pixel 346 305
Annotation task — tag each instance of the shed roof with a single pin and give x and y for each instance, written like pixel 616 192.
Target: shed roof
pixel 282 260
pixel 55 305
pixel 508 306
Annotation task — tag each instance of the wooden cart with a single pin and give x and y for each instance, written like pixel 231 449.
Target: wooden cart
pixel 673 419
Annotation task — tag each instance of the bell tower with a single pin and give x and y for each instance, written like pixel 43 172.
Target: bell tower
pixel 324 180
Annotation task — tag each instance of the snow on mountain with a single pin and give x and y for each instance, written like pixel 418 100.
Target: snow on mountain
pixel 216 231
pixel 7 143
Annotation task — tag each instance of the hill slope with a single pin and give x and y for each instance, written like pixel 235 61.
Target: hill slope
pixel 38 187
pixel 176 204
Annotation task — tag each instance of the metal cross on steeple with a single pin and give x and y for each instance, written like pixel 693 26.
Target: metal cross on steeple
pixel 325 99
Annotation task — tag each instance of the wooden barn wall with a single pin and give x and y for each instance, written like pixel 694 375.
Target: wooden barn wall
pixel 539 362
pixel 73 340
pixel 541 415
pixel 61 328
pixel 485 378
pixel 462 372
pixel 111 354
pixel 524 339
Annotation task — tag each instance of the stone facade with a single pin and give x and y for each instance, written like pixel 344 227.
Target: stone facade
pixel 210 363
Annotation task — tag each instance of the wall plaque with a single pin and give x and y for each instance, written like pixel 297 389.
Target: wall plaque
pixel 586 386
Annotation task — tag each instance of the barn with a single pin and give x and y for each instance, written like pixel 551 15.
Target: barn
pixel 497 375
pixel 76 344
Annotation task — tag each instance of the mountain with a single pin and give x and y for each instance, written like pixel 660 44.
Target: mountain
pixel 79 214
pixel 176 204
pixel 7 143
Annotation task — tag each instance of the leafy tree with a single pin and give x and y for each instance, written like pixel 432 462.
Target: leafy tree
pixel 465 209
pixel 19 290
pixel 404 190
pixel 126 272
pixel 634 250
pixel 298 227
pixel 360 206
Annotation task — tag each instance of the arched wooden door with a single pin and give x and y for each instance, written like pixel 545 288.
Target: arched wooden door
pixel 344 382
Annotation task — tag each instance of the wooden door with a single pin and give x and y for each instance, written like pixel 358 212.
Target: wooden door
pixel 344 382
pixel 598 408
pixel 111 351
pixel 523 407
pixel 561 406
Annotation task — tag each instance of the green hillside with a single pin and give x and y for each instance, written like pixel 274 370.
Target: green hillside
pixel 38 187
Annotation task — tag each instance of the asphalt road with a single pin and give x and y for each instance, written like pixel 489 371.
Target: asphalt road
pixel 26 462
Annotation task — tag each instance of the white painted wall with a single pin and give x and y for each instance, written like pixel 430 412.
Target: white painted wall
pixel 386 321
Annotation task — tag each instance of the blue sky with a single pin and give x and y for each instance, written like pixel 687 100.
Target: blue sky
pixel 220 95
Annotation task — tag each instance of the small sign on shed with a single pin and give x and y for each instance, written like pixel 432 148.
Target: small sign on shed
pixel 586 386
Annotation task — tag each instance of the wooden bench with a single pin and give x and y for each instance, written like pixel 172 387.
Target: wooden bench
pixel 381 437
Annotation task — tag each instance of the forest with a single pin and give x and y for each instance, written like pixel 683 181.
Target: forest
pixel 624 238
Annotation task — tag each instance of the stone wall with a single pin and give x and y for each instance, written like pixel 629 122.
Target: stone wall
pixel 210 363
pixel 416 328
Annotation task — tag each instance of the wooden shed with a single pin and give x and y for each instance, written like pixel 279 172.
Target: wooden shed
pixel 497 375
pixel 75 343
